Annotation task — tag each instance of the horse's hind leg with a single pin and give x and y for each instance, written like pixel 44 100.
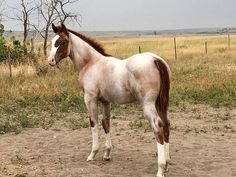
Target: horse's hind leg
pixel 106 127
pixel 150 112
pixel 166 129
pixel 91 104
pixel 166 132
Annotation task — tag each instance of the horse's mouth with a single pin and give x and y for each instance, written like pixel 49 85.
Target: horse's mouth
pixel 52 64
pixel 55 63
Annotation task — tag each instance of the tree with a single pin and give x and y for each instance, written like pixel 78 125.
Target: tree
pixel 15 50
pixel 23 15
pixel 51 11
pixel 64 15
pixel 2 44
pixel 2 40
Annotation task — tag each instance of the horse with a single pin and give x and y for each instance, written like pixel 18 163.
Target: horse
pixel 144 78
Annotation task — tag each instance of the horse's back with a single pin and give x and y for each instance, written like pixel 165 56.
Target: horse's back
pixel 143 60
pixel 142 65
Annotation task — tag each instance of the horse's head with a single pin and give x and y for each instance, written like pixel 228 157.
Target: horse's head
pixel 60 45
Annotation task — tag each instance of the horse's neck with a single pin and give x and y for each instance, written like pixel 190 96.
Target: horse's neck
pixel 82 53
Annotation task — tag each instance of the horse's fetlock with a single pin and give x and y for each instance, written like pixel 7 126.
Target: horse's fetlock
pixel 92 122
pixel 95 149
pixel 161 168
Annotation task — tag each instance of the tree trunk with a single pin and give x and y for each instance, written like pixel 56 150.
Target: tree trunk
pixel 25 37
pixel 45 41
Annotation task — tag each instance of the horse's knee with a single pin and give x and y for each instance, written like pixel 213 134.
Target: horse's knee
pixel 159 136
pixel 106 125
pixel 156 123
pixel 158 130
pixel 92 121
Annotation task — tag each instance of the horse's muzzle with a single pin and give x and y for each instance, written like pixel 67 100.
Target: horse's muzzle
pixel 52 61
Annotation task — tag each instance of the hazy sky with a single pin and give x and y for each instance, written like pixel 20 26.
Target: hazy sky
pixel 149 14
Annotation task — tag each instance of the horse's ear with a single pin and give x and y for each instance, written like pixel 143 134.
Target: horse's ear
pixel 63 28
pixel 55 29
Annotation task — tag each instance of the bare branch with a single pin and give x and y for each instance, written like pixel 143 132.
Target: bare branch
pixel 63 15
pixel 51 11
pixel 40 32
pixel 23 15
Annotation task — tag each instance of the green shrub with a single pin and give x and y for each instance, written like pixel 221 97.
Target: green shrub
pixel 13 50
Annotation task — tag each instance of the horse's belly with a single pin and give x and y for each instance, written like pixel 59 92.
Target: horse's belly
pixel 119 96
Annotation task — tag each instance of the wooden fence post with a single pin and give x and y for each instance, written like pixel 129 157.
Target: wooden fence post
pixel 175 48
pixel 139 49
pixel 206 47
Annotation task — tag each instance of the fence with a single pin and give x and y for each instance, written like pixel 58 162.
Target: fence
pixel 204 44
pixel 175 46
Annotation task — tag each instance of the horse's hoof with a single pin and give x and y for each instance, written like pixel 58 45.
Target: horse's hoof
pixel 90 159
pixel 106 158
pixel 166 168
pixel 160 174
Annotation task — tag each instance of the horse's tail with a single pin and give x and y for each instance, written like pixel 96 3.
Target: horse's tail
pixel 162 100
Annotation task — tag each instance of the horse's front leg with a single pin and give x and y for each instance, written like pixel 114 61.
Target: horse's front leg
pixel 91 104
pixel 106 127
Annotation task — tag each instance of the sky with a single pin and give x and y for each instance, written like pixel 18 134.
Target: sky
pixel 123 15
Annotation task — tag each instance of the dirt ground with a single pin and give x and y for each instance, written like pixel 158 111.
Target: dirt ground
pixel 203 144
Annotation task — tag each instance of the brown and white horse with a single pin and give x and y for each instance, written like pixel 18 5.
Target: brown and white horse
pixel 103 78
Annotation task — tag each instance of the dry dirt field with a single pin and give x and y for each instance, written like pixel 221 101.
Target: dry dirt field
pixel 203 144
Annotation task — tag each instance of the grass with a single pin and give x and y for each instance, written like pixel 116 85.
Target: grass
pixel 41 96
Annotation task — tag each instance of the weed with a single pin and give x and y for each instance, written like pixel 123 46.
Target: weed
pixel 188 130
pixel 19 160
pixel 5 127
pixel 221 50
pixel 140 123
pixel 24 120
pixel 75 123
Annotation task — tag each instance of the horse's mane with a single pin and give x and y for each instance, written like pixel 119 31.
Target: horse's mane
pixel 92 42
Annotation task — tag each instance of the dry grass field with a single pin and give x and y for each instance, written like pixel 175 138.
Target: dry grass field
pixel 45 131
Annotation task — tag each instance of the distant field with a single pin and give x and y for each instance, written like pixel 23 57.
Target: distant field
pixel 197 78
pixel 130 34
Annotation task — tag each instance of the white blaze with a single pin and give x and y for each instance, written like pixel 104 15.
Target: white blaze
pixel 53 49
